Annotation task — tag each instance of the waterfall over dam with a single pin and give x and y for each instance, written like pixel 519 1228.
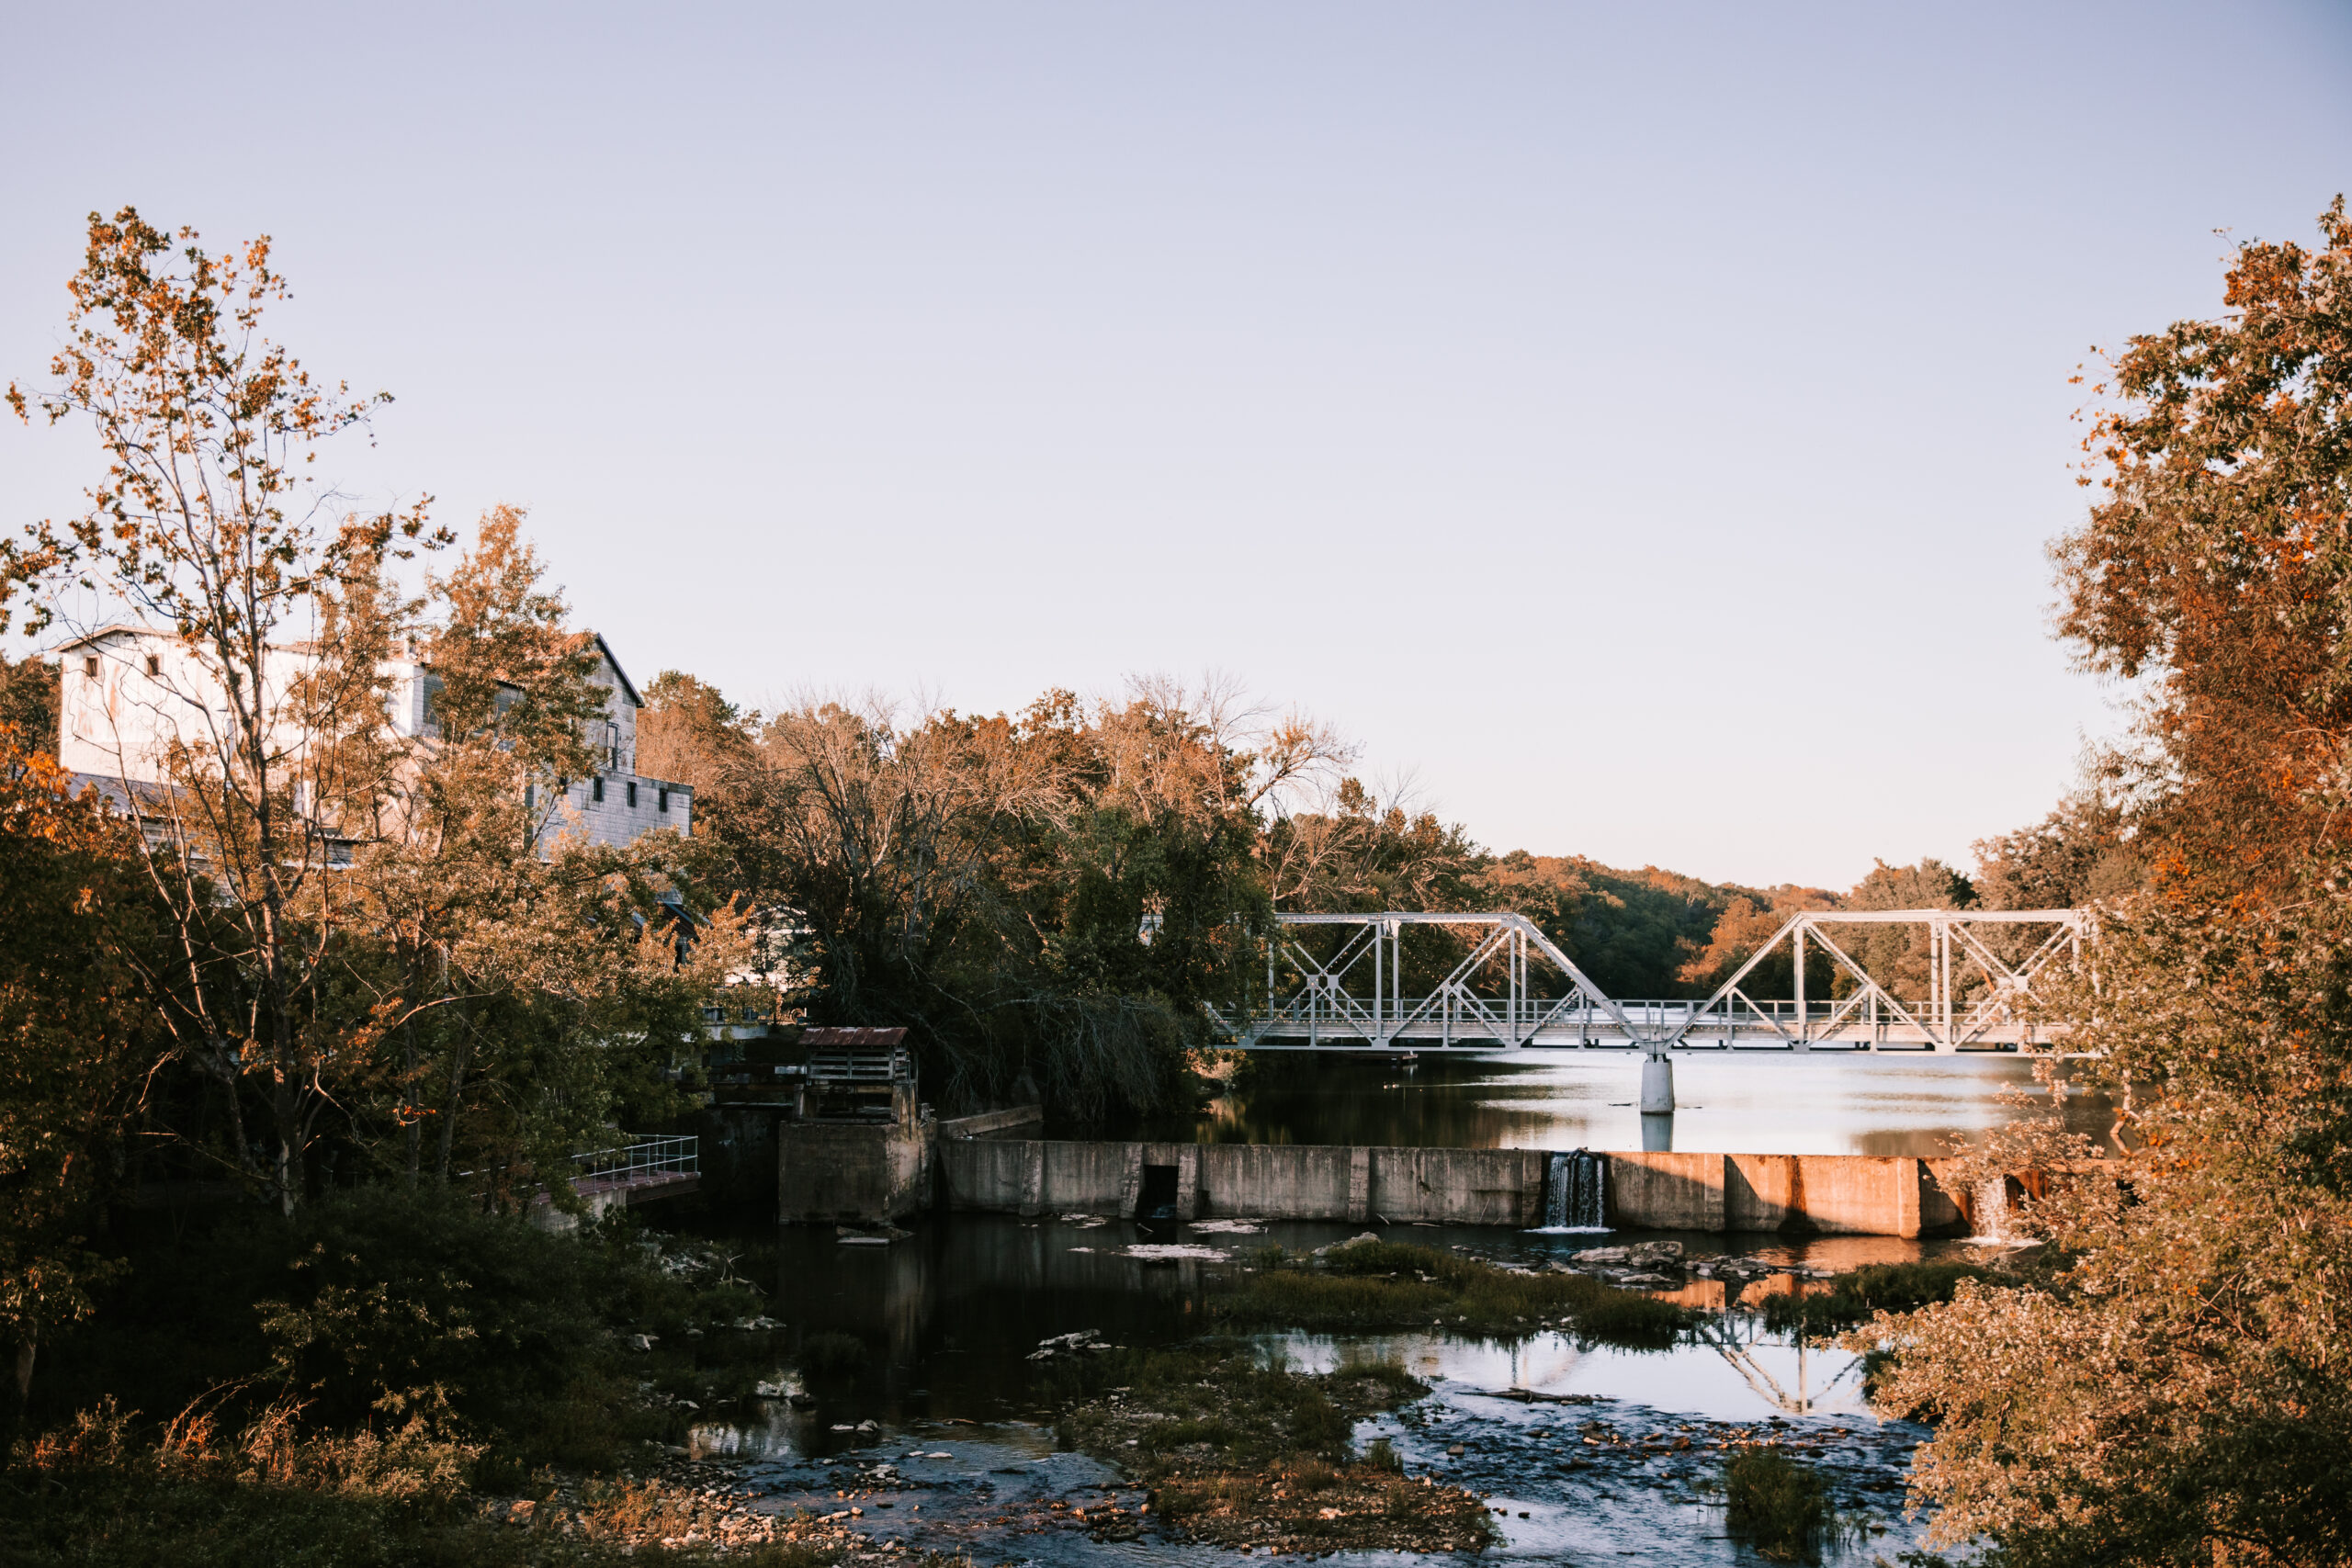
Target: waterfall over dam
pixel 1576 1192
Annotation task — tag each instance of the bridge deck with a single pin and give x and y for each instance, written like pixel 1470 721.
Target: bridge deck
pixel 1599 1032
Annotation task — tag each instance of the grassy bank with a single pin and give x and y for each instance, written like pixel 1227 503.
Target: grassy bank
pixel 94 1495
pixel 1393 1285
pixel 391 1379
pixel 1237 1453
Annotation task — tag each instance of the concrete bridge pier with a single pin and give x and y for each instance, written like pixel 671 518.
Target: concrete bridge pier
pixel 1657 1084
pixel 1657 1103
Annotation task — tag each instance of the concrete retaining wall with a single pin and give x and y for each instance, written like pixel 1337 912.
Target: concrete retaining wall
pixel 1835 1194
pixel 993 1123
pixel 846 1173
pixel 1665 1191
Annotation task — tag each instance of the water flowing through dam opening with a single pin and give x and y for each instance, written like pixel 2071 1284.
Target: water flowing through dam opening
pixel 1575 1195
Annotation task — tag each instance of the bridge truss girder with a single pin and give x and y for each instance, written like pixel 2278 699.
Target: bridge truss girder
pixel 2000 1015
pixel 1330 1010
pixel 1516 1017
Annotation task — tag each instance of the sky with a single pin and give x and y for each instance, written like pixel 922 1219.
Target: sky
pixel 1639 429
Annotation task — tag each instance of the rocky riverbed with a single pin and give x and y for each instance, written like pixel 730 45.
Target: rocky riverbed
pixel 1559 1477
pixel 943 1438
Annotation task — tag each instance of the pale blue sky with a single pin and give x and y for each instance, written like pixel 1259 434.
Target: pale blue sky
pixel 1642 425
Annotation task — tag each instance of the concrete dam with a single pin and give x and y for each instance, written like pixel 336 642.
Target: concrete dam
pixel 854 1144
pixel 862 1175
pixel 1828 1194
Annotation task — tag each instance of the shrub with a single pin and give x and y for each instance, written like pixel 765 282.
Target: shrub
pixel 1395 1385
pixel 390 1302
pixel 1778 1504
pixel 1383 1455
pixel 1314 1475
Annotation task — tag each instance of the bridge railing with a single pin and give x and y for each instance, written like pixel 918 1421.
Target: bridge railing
pixel 1337 1019
pixel 1560 1010
pixel 645 1158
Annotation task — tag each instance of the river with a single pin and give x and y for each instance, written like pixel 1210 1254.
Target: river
pixel 948 1318
pixel 1746 1102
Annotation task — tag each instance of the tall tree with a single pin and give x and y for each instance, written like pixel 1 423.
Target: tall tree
pixel 209 522
pixel 2180 1392
pixel 1047 901
pixel 516 975
pixel 2175 1392
pixel 368 927
pixel 2085 850
pixel 28 701
pixel 2216 565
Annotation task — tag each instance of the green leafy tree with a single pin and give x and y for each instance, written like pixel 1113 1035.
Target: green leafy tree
pixel 2182 1392
pixel 28 701
pixel 1047 901
pixel 76 916
pixel 370 931
pixel 2083 852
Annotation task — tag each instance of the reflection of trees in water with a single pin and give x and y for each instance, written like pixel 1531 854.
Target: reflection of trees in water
pixel 1936 1139
pixel 1540 1363
pixel 1885 1108
pixel 1381 1104
pixel 954 1309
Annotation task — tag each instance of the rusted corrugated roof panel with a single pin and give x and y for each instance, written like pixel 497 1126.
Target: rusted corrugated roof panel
pixel 870 1037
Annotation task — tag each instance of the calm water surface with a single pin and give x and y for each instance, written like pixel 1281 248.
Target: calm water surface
pixel 1751 1102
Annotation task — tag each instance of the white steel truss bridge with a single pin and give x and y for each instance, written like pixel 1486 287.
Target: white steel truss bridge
pixel 1980 969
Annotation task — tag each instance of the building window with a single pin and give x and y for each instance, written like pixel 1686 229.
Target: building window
pixel 665 800
pixel 596 787
pixel 90 665
pixel 154 665
pixel 632 794
pixel 530 797
pixel 613 747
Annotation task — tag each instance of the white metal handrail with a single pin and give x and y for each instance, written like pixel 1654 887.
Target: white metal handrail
pixel 645 1155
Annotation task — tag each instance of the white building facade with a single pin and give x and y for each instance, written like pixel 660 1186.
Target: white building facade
pixel 127 695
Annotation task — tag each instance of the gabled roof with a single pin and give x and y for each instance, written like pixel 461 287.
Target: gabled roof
pixel 99 634
pixel 836 1035
pixel 627 690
